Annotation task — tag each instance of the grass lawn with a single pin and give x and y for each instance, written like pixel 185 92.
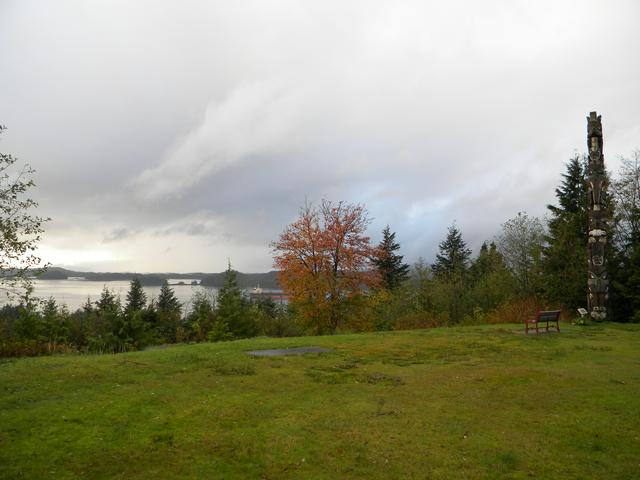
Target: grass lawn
pixel 469 402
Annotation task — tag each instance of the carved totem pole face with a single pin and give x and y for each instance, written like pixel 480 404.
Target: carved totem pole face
pixel 598 283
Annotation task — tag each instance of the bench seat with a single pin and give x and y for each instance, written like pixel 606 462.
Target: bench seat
pixel 543 316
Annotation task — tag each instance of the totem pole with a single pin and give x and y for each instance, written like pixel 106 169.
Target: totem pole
pixel 598 283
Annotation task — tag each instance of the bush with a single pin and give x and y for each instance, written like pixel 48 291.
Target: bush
pixel 421 320
pixel 514 311
pixel 31 348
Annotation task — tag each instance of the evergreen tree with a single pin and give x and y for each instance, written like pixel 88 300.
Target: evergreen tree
pixel 109 331
pixel 453 258
pixel 88 306
pixel 488 261
pixel 492 282
pixel 393 271
pixel 168 308
pixel 29 321
pixel 201 316
pixel 450 270
pixel 233 308
pixel 136 298
pixel 108 302
pixel 135 325
pixel 565 254
pixel 81 325
pixel 167 301
pixel 55 323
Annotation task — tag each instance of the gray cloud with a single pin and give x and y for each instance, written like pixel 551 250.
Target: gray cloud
pixel 118 234
pixel 171 137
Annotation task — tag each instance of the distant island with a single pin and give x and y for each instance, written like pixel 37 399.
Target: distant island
pixel 267 280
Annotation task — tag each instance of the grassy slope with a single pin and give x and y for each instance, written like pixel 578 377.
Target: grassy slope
pixel 474 402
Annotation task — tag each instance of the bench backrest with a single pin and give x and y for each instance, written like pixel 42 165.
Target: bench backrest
pixel 548 315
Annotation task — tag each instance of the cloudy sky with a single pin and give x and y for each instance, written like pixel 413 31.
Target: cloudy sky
pixel 170 136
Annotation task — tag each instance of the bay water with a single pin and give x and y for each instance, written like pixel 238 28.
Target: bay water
pixel 74 293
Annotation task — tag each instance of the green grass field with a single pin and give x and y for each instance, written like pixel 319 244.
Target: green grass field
pixel 469 402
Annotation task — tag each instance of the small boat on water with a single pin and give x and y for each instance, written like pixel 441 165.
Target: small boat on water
pixel 258 293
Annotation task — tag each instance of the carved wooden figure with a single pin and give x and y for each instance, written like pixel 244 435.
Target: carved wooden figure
pixel 597 281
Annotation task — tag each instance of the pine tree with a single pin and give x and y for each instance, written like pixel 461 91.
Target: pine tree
pixel 87 308
pixel 201 316
pixel 29 321
pixel 169 327
pixel 488 261
pixel 136 323
pixel 167 301
pixel 110 332
pixel 108 302
pixel 450 270
pixel 136 298
pixel 565 255
pixel 393 271
pixel 54 320
pixel 453 257
pixel 232 308
pixel 492 282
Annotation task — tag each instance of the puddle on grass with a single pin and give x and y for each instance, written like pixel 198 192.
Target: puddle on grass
pixel 287 351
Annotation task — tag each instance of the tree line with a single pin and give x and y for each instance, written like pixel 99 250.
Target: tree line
pixel 337 279
pixel 108 325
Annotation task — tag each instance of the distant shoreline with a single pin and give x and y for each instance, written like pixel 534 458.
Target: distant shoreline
pixel 245 280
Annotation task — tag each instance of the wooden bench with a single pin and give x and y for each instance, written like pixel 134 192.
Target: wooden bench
pixel 543 316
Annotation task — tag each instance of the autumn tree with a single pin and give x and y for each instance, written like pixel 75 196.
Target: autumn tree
pixel 324 262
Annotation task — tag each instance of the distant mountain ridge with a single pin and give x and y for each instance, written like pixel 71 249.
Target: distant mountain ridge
pixel 245 280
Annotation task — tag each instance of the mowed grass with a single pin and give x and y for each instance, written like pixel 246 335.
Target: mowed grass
pixel 469 402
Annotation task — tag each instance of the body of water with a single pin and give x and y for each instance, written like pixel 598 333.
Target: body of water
pixel 74 293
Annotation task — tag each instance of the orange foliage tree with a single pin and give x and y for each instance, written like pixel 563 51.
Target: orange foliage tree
pixel 324 262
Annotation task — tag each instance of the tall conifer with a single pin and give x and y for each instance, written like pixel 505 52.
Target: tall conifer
pixel 136 298
pixel 232 308
pixel 453 258
pixel 393 271
pixel 565 255
pixel 167 301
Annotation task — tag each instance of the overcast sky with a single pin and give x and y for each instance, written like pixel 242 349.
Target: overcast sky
pixel 170 136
